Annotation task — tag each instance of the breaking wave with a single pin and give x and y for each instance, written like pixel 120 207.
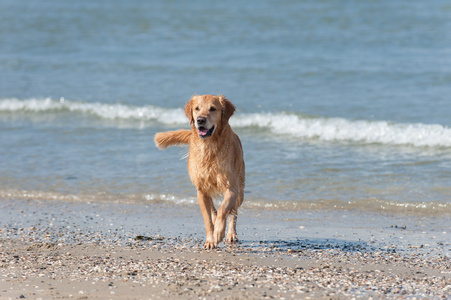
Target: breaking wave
pixel 287 123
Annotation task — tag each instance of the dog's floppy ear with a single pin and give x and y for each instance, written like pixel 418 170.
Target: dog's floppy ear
pixel 227 109
pixel 189 111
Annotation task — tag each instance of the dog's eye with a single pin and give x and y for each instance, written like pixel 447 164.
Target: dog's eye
pixel 212 109
pixel 197 108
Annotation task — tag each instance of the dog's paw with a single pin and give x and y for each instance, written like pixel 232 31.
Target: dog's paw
pixel 218 238
pixel 232 238
pixel 209 245
pixel 219 232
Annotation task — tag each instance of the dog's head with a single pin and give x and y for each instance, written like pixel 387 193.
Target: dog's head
pixel 208 113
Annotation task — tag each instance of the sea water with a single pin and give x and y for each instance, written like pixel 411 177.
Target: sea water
pixel 341 106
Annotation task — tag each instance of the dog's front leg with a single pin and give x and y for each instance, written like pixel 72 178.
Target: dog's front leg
pixel 208 212
pixel 227 206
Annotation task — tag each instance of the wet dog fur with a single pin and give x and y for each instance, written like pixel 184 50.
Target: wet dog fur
pixel 215 163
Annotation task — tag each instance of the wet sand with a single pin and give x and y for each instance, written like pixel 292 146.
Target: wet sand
pixel 108 251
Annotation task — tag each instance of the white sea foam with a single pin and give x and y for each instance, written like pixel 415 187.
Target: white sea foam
pixel 339 129
pixel 102 110
pixel 325 129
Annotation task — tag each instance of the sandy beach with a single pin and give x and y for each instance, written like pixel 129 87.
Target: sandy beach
pixel 48 251
pixel 155 271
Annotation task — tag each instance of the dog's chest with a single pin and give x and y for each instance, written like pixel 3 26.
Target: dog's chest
pixel 208 173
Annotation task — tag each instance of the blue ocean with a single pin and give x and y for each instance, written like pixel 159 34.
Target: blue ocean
pixel 341 106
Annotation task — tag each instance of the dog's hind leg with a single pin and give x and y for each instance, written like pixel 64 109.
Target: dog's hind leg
pixel 213 213
pixel 232 237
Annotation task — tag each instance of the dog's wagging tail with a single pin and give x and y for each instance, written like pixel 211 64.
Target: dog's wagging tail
pixel 215 163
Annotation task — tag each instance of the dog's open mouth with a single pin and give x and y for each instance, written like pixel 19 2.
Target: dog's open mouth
pixel 204 132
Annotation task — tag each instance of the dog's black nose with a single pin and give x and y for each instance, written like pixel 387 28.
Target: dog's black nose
pixel 201 120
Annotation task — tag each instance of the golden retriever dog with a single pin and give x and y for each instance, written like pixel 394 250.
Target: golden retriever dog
pixel 215 163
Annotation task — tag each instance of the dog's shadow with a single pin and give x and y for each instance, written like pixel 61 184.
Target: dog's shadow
pixel 306 244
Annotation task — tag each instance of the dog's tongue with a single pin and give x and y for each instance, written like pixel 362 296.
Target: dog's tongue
pixel 202 131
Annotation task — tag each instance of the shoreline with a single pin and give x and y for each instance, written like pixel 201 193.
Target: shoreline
pixel 55 250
